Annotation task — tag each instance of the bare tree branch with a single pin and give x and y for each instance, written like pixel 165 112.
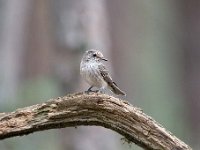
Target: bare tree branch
pixel 90 109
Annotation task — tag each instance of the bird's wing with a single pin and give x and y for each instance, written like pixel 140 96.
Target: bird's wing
pixel 105 74
pixel 112 85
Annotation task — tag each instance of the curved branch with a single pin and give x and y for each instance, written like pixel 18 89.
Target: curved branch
pixel 90 109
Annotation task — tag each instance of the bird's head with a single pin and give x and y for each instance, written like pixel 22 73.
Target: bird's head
pixel 94 55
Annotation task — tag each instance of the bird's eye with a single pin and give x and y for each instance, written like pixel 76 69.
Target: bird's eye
pixel 94 55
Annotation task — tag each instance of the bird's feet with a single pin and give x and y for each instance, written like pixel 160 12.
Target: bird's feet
pixel 100 91
pixel 91 91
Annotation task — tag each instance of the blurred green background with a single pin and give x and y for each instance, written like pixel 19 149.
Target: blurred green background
pixel 154 52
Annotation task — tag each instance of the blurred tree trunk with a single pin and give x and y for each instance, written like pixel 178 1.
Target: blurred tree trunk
pixel 15 17
pixel 191 46
pixel 40 41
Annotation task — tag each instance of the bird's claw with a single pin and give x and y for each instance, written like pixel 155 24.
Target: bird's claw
pixel 91 91
pixel 100 91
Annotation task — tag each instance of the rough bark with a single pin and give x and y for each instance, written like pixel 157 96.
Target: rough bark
pixel 90 109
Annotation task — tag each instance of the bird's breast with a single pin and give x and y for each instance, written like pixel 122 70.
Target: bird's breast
pixel 91 74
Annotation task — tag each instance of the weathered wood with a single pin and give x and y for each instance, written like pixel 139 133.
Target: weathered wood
pixel 90 109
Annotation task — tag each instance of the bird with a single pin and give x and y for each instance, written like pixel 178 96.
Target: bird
pixel 95 73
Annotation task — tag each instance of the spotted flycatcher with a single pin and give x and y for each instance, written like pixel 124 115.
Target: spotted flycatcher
pixel 95 73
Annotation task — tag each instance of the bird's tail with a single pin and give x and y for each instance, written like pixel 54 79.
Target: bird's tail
pixel 115 89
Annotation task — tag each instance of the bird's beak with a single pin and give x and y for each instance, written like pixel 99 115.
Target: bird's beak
pixel 104 59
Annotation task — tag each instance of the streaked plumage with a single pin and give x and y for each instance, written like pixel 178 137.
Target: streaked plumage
pixel 95 73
